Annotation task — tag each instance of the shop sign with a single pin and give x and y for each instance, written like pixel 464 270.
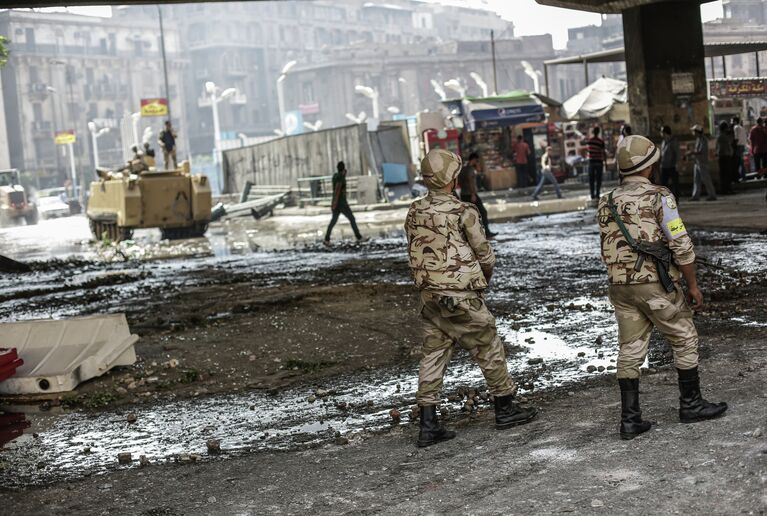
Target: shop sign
pixel 682 84
pixel 734 88
pixel 154 107
pixel 65 137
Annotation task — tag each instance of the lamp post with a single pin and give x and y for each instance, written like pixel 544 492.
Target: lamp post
pixel 372 94
pixel 95 135
pixel 215 98
pixel 480 82
pixel 313 127
pixel 358 119
pixel 533 74
pixel 134 118
pixel 456 86
pixel 438 89
pixel 281 93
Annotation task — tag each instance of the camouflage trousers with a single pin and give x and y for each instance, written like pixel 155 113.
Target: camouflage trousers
pixel 468 322
pixel 640 307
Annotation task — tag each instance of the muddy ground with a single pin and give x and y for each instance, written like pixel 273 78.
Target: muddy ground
pixel 254 336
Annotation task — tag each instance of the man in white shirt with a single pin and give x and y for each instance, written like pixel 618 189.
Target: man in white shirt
pixel 741 138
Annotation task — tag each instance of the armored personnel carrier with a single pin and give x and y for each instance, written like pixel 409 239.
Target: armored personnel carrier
pixel 136 196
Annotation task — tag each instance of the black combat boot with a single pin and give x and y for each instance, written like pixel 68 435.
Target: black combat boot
pixel 692 406
pixel 509 414
pixel 431 431
pixel 631 417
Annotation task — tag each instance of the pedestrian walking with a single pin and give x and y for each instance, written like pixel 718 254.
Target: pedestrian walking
pixel 757 138
pixel 595 151
pixel 740 148
pixel 646 291
pixel 725 152
pixel 452 262
pixel 167 141
pixel 701 175
pixel 467 182
pixel 521 159
pixel 340 205
pixel 669 159
pixel 546 175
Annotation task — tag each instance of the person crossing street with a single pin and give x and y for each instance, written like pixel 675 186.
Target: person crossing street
pixel 340 205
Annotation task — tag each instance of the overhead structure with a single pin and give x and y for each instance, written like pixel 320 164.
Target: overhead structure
pixel 666 82
pixel 512 108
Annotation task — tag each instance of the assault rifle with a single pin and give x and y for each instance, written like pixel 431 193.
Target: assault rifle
pixel 656 251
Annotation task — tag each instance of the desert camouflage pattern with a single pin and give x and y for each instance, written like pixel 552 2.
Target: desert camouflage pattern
pixel 447 247
pixel 439 167
pixel 468 322
pixel 640 307
pixel 649 213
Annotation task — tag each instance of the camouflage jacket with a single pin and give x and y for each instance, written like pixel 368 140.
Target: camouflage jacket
pixel 650 214
pixel 447 247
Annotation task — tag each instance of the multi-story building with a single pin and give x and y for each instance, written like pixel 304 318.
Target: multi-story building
pixel 246 45
pixel 402 76
pixel 744 21
pixel 66 70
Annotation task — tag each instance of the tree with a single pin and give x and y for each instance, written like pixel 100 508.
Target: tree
pixel 3 50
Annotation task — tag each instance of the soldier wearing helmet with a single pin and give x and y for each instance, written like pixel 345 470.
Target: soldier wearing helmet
pixel 452 262
pixel 639 212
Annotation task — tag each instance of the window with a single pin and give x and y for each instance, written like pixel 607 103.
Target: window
pixel 37 109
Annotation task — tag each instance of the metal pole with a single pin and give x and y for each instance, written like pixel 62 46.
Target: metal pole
pixel 724 68
pixel 74 170
pixel 586 72
pixel 757 64
pixel 164 61
pixel 217 140
pixel 495 74
pixel 376 108
pixel 713 70
pixel 281 102
pixel 95 150
pixel 546 78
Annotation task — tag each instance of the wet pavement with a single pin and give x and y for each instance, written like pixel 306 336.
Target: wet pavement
pixel 549 295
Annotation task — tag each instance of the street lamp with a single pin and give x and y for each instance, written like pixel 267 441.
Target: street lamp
pixel 481 83
pixel 370 93
pixel 394 110
pixel 456 86
pixel 358 119
pixel 313 127
pixel 439 90
pixel 135 117
pixel 215 98
pixel 281 92
pixel 95 135
pixel 533 74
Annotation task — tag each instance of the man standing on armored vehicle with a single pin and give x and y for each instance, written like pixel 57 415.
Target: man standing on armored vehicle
pixel 648 251
pixel 452 262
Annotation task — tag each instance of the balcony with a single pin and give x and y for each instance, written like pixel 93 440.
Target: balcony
pixel 42 129
pixel 38 89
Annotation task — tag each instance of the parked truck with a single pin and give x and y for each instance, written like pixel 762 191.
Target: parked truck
pixel 15 205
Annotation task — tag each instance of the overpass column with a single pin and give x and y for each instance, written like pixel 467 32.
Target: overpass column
pixel 665 67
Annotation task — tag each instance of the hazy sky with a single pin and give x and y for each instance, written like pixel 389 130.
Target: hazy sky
pixel 527 15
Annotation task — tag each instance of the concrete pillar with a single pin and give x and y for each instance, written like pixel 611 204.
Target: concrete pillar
pixel 664 41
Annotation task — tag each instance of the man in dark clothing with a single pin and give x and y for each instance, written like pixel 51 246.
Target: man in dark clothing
pixel 725 151
pixel 595 147
pixel 167 141
pixel 340 204
pixel 468 184
pixel 669 158
pixel 757 137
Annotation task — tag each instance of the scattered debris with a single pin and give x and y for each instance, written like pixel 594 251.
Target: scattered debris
pixel 214 446
pixel 124 458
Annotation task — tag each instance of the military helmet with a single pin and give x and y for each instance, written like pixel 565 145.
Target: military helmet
pixel 439 168
pixel 636 153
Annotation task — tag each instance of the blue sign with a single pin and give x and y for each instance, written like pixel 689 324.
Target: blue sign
pixel 294 122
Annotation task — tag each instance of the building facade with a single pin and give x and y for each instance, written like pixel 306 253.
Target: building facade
pixel 67 70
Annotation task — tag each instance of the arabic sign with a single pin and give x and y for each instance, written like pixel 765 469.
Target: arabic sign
pixel 738 87
pixel 154 107
pixel 65 137
pixel 682 84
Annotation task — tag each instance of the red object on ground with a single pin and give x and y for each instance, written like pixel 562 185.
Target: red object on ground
pixel 9 361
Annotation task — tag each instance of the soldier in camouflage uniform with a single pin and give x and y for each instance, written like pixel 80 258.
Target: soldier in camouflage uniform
pixel 648 213
pixel 452 261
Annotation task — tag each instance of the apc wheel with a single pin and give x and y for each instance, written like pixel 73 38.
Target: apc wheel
pixel 109 231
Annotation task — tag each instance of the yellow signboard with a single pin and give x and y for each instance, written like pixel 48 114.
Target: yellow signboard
pixel 154 107
pixel 65 137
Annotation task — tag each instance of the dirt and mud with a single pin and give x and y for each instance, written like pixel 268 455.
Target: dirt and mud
pixel 286 356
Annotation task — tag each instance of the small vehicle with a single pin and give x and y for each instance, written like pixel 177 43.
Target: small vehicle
pixel 52 203
pixel 137 196
pixel 14 203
